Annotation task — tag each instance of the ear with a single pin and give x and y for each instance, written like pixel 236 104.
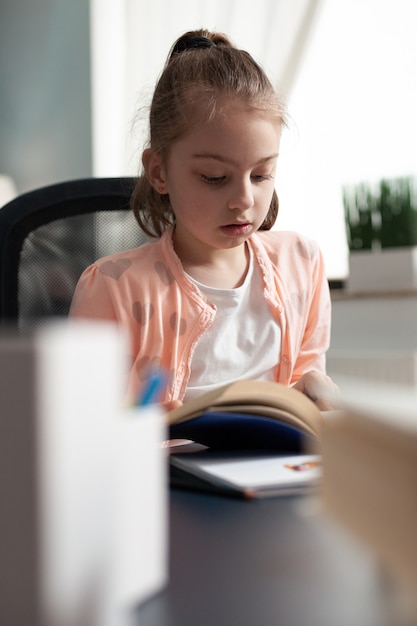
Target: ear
pixel 154 168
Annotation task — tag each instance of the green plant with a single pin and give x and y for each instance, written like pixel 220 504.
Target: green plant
pixel 382 215
pixel 359 208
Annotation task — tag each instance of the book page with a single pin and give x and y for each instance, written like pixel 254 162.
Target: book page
pixel 276 398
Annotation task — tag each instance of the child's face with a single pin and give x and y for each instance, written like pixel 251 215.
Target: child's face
pixel 220 178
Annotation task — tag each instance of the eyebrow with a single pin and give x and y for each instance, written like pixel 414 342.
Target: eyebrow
pixel 218 157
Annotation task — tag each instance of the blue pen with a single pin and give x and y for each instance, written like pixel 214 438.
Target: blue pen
pixel 154 385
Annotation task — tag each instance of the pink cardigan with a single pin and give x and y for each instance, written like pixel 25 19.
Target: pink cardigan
pixel 146 291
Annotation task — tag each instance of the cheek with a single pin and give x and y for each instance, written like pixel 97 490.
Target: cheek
pixel 183 206
pixel 270 191
pixel 263 195
pixel 188 199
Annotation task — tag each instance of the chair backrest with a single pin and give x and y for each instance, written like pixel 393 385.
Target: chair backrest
pixel 50 235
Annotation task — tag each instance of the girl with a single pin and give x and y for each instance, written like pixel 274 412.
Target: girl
pixel 217 296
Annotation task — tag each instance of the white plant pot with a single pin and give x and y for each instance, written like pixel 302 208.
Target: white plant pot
pixel 391 269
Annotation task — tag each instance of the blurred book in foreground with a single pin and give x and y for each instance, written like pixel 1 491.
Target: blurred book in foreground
pixel 369 482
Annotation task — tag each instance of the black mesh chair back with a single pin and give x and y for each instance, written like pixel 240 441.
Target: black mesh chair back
pixel 50 235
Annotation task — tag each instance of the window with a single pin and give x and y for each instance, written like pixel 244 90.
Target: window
pixel 353 107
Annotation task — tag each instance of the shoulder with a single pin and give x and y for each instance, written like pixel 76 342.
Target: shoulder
pixel 116 268
pixel 284 244
pixel 127 263
pixel 151 267
pixel 130 256
pixel 108 283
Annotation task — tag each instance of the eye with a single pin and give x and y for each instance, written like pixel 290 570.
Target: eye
pixel 259 178
pixel 213 180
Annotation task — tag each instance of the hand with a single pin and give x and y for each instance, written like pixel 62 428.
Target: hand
pixel 317 387
pixel 172 404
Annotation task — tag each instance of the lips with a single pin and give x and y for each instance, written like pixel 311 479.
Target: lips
pixel 237 230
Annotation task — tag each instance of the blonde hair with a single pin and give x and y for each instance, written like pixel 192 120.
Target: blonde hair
pixel 202 70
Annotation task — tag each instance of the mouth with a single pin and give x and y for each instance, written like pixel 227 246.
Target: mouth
pixel 237 230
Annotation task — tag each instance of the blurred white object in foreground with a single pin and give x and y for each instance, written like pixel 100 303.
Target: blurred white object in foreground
pixel 88 541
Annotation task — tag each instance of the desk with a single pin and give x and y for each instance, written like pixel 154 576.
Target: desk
pixel 271 562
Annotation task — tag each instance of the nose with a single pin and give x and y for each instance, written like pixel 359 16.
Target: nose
pixel 241 195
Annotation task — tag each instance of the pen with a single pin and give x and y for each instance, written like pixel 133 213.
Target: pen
pixel 153 387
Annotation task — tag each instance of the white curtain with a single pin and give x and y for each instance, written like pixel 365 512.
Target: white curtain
pixel 130 42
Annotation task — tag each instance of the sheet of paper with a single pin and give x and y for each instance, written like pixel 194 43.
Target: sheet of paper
pixel 255 472
pixel 249 474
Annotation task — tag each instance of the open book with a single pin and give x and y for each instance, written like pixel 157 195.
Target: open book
pixel 253 439
pixel 248 414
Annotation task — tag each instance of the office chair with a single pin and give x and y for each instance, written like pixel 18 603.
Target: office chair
pixel 50 235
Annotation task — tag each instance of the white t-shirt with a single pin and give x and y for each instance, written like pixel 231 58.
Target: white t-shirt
pixel 243 341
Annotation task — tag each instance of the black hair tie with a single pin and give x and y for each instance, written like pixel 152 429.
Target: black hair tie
pixel 191 43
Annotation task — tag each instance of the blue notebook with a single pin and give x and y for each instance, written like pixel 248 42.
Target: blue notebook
pixel 225 430
pixel 247 415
